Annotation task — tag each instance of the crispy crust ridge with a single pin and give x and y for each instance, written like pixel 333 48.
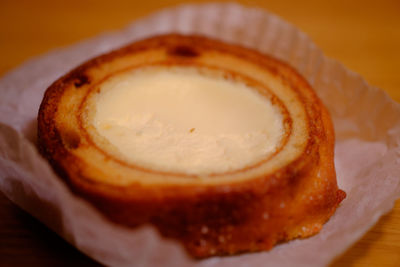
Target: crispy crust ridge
pixel 207 216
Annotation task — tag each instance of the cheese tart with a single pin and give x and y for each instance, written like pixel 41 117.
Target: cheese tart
pixel 220 147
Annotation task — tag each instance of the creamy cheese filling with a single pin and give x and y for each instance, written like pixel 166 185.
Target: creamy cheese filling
pixel 179 120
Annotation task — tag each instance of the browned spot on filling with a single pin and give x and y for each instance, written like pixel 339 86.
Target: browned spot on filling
pixel 192 130
pixel 71 139
pixel 81 80
pixel 183 51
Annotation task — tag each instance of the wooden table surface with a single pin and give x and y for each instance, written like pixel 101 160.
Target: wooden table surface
pixel 364 35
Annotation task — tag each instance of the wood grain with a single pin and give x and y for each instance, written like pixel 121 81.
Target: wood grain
pixel 363 35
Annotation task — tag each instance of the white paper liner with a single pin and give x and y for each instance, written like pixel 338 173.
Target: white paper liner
pixel 367 124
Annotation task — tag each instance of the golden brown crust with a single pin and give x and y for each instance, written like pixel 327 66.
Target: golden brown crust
pixel 209 218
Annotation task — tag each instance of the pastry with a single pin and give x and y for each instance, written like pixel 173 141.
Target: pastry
pixel 218 146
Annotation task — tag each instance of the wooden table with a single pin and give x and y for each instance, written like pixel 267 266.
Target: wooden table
pixel 364 35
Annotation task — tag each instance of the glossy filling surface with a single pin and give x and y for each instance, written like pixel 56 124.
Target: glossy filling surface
pixel 180 120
